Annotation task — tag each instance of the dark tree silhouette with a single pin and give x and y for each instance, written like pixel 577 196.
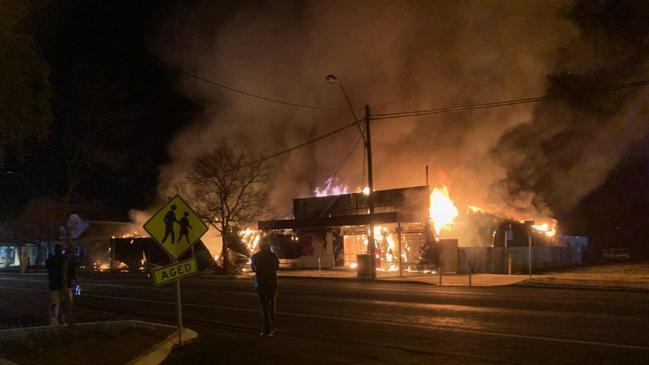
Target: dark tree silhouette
pixel 25 90
pixel 228 189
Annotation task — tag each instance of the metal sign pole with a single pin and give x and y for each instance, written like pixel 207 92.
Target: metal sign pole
pixel 162 226
pixel 180 311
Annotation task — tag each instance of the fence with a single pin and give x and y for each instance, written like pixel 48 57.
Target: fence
pixel 498 260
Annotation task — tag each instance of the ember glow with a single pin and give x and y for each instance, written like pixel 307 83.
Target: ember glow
pixel 332 186
pixel 442 210
pixel 134 234
pixel 386 249
pixel 547 229
pixel 99 265
pixel 250 237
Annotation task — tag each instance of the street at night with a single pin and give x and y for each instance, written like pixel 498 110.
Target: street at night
pixel 330 321
pixel 324 182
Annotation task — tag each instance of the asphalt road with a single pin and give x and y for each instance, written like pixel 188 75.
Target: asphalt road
pixel 333 321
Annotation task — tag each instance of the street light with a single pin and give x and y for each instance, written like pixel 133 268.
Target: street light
pixel 367 138
pixel 333 79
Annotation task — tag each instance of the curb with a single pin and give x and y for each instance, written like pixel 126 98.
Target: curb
pixel 391 280
pixel 154 356
pixel 21 331
pixel 159 352
pixel 581 287
pixel 358 280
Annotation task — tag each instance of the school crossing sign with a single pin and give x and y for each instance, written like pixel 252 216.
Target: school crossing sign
pixel 175 271
pixel 175 227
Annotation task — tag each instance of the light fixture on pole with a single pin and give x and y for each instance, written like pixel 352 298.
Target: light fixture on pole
pixel 367 138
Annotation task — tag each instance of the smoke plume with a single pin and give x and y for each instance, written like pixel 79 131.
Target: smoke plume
pixel 525 162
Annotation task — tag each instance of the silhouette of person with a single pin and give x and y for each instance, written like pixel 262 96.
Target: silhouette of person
pixel 170 219
pixel 265 264
pixel 184 227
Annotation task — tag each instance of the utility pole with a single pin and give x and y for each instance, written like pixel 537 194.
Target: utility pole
pixel 529 250
pixel 370 198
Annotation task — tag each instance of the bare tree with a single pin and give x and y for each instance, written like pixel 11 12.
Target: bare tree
pixel 228 189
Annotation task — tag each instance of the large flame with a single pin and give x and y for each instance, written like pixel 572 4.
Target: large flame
pixel 386 249
pixel 549 230
pixel 442 210
pixel 250 238
pixel 332 186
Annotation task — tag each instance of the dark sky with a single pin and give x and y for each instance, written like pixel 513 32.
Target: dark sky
pixel 106 84
pixel 109 85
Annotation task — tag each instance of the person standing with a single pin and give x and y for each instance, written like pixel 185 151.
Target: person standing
pixel 55 276
pixel 265 265
pixel 70 282
pixel 61 277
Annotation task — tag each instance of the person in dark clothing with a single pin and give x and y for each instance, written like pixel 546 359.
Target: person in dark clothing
pixel 184 227
pixel 265 265
pixel 170 220
pixel 62 278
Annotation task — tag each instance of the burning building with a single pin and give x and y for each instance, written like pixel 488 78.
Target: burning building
pixel 416 229
pixel 332 230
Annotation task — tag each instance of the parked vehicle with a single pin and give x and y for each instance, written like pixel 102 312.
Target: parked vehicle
pixel 616 254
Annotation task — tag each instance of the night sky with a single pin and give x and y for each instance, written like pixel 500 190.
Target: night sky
pixel 108 78
pixel 102 49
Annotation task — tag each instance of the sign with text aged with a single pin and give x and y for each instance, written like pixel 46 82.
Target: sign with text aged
pixel 175 227
pixel 175 271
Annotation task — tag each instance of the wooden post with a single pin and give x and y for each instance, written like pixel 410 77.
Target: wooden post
pixel 529 252
pixel 470 272
pixel 400 251
pixel 509 263
pixel 370 197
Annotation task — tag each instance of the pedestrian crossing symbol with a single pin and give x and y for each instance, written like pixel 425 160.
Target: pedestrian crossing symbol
pixel 175 227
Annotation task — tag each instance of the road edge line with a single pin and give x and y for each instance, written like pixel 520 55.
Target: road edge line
pixel 526 284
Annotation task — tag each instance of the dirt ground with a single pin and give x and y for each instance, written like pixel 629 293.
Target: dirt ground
pixel 619 275
pixel 225 347
pixel 82 345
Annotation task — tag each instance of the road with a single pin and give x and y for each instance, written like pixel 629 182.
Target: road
pixel 329 321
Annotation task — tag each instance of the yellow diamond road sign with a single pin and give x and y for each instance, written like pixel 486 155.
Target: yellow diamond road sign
pixel 176 227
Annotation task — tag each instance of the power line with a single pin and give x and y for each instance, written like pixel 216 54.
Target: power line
pixel 510 102
pixel 312 141
pixel 416 113
pixel 348 156
pixel 257 96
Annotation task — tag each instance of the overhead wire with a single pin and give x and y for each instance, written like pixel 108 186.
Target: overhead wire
pixel 393 115
pixel 257 96
pixel 416 113
pixel 510 102
pixel 309 142
pixel 351 152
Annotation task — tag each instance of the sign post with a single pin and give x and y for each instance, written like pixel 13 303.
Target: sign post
pixel 179 307
pixel 176 228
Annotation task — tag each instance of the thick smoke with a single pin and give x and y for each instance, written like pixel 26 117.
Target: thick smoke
pixel 521 162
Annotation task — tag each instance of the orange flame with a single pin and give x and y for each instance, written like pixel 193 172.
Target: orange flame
pixel 547 229
pixel 442 210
